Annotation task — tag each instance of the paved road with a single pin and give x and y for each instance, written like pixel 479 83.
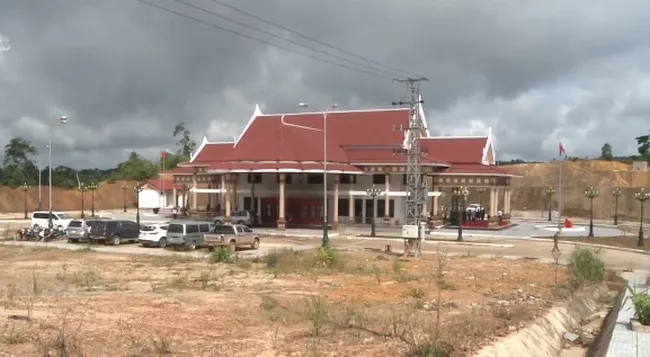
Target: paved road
pixel 512 248
pixel 135 249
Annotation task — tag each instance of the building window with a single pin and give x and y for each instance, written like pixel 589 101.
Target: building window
pixel 248 204
pixel 254 178
pixel 348 179
pixel 381 208
pixel 315 179
pixel 344 207
pixel 287 178
pixel 379 179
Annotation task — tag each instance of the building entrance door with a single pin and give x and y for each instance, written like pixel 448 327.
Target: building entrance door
pixel 269 211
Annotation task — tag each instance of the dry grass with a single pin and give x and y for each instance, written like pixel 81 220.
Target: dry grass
pixel 286 304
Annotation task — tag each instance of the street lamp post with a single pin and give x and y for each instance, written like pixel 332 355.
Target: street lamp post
pixel 461 192
pixel 641 196
pixel 40 183
pixel 82 189
pixel 92 187
pixel 62 120
pixel 550 191
pixel 617 193
pixel 25 187
pixel 333 106
pixel 124 188
pixel 591 193
pixel 137 188
pixel 373 192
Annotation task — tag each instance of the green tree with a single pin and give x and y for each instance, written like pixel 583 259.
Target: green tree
pixel 17 166
pixel 644 145
pixel 187 145
pixel 606 152
pixel 137 168
pixel 18 151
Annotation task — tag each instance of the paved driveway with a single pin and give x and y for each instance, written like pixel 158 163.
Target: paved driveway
pixel 515 248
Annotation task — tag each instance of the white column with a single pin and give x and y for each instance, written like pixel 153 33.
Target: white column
pixel 282 223
pixel 387 200
pixel 335 222
pixel 227 199
pixel 222 195
pixel 351 205
pixel 195 203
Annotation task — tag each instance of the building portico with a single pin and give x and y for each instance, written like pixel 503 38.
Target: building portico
pixel 274 169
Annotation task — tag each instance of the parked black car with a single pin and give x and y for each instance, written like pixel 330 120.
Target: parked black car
pixel 114 232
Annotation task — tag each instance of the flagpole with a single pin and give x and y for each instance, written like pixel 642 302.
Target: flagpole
pixel 559 194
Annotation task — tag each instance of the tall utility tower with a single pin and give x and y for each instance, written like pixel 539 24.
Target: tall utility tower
pixel 415 193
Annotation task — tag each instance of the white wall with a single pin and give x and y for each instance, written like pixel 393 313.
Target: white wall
pixel 150 198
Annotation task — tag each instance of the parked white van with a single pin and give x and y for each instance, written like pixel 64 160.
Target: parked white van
pixel 60 220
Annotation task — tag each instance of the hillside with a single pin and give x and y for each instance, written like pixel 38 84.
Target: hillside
pixel 107 196
pixel 528 192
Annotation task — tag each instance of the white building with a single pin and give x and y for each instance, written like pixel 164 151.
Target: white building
pixel 275 168
pixel 157 193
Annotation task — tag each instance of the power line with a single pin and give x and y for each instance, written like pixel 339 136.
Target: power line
pixel 309 38
pixel 207 23
pixel 226 18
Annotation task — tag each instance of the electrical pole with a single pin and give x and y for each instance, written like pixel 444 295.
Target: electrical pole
pixel 415 189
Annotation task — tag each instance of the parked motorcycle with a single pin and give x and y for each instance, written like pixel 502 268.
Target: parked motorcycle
pixel 27 234
pixel 49 234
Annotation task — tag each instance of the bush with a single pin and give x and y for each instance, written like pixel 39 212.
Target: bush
pixel 432 348
pixel 585 267
pixel 220 255
pixel 291 261
pixel 328 258
pixel 641 303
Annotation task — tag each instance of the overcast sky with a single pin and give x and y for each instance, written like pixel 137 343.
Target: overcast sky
pixel 537 72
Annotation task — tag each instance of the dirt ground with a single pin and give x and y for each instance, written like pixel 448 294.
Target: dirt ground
pixel 358 303
pixel 107 196
pixel 528 192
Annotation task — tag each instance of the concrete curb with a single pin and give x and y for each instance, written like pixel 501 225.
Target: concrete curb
pixel 545 333
pixel 579 222
pixel 290 235
pixel 592 245
pixel 470 244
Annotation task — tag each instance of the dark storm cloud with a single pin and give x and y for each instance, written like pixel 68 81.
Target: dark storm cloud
pixel 126 73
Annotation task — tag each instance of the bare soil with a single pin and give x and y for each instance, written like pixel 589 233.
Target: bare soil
pixel 529 191
pixel 107 196
pixel 287 304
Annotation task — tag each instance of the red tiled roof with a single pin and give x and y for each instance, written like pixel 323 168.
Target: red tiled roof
pixel 476 169
pixel 285 166
pixel 387 156
pixel 212 152
pixel 268 139
pixel 178 171
pixel 166 185
pixel 295 142
pixel 356 128
pixel 456 150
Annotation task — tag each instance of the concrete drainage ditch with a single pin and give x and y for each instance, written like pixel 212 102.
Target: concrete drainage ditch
pixel 572 329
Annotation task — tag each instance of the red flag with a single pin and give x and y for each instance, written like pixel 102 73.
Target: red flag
pixel 163 154
pixel 562 151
